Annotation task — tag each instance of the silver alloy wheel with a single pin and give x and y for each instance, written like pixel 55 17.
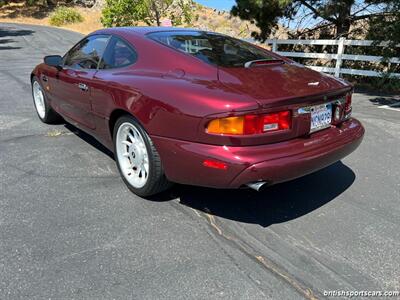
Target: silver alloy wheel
pixel 132 155
pixel 38 98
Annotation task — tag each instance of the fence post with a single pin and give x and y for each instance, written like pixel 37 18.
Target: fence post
pixel 340 52
pixel 274 45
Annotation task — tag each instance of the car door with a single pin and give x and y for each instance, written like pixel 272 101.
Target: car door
pixel 114 81
pixel 74 88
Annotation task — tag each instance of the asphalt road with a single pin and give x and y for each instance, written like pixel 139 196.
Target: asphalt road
pixel 69 228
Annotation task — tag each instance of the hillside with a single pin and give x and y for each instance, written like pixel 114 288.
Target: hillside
pixel 221 21
pixel 204 18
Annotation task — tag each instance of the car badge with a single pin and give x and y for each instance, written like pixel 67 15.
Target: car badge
pixel 315 83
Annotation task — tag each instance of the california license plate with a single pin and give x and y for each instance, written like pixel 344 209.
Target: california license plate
pixel 321 116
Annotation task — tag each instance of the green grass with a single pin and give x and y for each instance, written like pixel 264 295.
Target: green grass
pixel 65 15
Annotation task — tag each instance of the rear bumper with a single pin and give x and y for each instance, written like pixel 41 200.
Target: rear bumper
pixel 274 163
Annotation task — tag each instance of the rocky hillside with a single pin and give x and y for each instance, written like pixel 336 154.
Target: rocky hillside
pixel 221 21
pixel 203 18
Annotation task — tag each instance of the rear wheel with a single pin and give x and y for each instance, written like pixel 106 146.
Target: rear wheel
pixel 137 159
pixel 45 112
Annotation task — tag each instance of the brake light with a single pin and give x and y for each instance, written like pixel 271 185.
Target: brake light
pixel 347 105
pixel 277 121
pixel 251 124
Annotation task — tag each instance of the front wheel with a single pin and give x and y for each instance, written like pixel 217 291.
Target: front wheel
pixel 45 112
pixel 137 159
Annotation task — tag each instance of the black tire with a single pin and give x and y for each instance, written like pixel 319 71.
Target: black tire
pixel 156 181
pixel 50 115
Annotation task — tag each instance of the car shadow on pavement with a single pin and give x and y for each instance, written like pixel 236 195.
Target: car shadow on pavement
pixel 276 204
pixel 89 139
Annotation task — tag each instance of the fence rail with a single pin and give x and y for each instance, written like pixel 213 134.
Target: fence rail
pixel 340 55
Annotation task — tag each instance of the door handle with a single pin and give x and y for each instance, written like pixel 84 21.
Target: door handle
pixel 83 87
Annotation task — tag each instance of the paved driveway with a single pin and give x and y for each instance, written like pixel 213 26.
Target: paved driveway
pixel 69 228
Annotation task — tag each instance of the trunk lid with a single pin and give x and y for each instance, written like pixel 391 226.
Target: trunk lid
pixel 282 84
pixel 279 87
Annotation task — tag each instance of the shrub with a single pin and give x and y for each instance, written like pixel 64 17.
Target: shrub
pixel 65 15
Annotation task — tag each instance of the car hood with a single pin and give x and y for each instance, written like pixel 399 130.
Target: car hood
pixel 281 82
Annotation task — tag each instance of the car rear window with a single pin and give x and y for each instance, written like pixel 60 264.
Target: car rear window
pixel 212 48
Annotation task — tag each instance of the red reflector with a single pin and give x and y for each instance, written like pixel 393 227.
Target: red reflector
pixel 215 164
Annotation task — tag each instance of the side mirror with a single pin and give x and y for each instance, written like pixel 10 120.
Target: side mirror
pixel 54 61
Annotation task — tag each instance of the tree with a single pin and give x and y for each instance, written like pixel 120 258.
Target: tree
pixel 151 12
pixel 182 12
pixel 340 14
pixel 123 12
pixel 155 10
pixel 387 30
pixel 390 23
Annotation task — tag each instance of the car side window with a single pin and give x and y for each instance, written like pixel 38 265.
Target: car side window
pixel 118 54
pixel 87 54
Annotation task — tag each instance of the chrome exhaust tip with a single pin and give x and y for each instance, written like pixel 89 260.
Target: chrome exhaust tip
pixel 257 186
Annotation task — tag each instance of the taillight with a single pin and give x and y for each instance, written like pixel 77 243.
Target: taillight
pixel 347 105
pixel 231 125
pixel 251 124
pixel 277 121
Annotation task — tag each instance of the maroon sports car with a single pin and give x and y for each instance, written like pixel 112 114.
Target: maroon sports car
pixel 197 107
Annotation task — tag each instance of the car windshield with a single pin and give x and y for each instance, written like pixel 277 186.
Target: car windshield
pixel 213 48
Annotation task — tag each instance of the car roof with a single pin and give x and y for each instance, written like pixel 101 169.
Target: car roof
pixel 143 30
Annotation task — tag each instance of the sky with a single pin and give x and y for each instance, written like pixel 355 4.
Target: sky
pixel 218 4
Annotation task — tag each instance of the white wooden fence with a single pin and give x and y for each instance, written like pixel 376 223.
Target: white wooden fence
pixel 340 55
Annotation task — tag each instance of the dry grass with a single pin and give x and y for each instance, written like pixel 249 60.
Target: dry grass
pixel 91 21
pixel 220 21
pixel 18 12
pixel 54 133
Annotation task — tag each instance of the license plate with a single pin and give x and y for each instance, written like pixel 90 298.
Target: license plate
pixel 321 116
